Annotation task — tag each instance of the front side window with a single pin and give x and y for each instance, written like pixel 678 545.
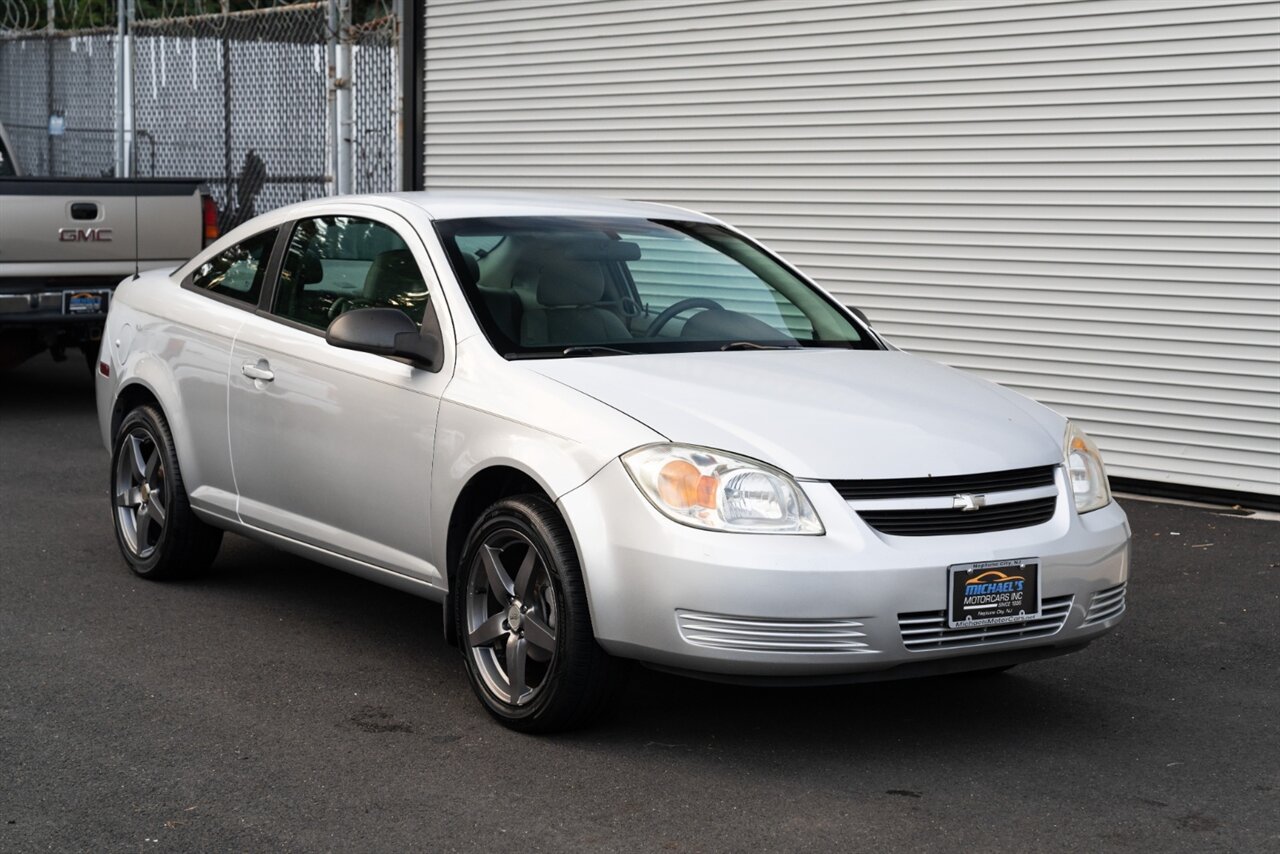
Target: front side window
pixel 238 272
pixel 548 286
pixel 337 263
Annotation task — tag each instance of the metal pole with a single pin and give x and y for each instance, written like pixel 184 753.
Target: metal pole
pixel 119 93
pixel 346 147
pixel 397 104
pixel 230 210
pixel 49 85
pixel 412 100
pixel 129 153
pixel 331 96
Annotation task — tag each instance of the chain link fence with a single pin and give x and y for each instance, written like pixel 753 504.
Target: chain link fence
pixel 376 93
pixel 57 103
pixel 242 100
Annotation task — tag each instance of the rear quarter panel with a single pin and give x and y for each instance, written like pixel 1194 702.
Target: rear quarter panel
pixel 177 345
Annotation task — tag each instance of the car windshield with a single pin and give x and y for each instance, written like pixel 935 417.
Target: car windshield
pixel 568 286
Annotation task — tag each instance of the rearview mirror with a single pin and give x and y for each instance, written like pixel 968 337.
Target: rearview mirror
pixel 597 249
pixel 386 332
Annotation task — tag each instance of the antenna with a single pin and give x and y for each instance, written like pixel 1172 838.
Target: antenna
pixel 137 226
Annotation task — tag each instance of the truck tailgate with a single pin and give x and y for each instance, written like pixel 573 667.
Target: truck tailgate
pixel 70 227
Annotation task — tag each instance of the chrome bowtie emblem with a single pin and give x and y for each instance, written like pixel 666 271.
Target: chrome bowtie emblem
pixel 966 503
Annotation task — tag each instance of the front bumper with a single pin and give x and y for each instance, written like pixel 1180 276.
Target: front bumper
pixel 854 602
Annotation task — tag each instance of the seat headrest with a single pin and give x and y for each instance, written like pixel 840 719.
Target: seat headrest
pixel 473 269
pixel 564 281
pixel 392 274
pixel 309 267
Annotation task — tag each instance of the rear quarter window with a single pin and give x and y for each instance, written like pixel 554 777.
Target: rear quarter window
pixel 239 272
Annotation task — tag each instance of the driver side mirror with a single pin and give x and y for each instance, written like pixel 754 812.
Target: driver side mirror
pixel 862 315
pixel 386 332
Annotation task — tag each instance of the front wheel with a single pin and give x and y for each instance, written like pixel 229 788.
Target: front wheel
pixel 158 534
pixel 531 655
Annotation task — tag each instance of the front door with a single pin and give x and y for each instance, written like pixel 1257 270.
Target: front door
pixel 333 447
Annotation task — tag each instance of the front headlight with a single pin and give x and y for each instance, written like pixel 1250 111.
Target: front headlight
pixel 721 492
pixel 1084 467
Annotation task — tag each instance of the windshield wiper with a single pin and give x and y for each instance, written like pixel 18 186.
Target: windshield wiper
pixel 831 345
pixel 751 345
pixel 596 350
pixel 584 350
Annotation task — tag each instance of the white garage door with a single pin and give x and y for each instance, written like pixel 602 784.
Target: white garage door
pixel 1076 199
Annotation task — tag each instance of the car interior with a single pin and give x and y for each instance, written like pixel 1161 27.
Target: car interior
pixel 542 290
pixel 336 264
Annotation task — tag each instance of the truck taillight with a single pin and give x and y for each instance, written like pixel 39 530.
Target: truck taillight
pixel 209 218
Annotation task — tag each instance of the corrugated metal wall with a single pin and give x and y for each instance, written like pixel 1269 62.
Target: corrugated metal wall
pixel 1076 199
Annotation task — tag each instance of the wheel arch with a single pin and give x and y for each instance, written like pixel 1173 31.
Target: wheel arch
pixel 133 394
pixel 485 487
pixel 148 380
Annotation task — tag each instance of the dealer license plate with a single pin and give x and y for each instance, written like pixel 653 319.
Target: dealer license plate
pixel 993 592
pixel 85 302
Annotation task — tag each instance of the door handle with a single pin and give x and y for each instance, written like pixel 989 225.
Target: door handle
pixel 257 372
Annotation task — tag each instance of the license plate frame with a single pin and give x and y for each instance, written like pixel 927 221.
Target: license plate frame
pixel 85 302
pixel 1009 592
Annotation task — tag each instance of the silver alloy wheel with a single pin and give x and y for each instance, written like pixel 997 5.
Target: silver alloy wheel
pixel 511 617
pixel 140 492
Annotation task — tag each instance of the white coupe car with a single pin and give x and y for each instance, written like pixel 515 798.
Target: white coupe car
pixel 598 431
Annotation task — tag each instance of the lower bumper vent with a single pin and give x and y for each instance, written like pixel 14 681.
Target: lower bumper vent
pixel 756 634
pixel 927 630
pixel 1105 605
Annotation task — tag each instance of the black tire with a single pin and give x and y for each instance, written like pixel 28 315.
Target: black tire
pixel 177 544
pixel 580 679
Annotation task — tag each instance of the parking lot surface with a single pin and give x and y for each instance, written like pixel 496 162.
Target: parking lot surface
pixel 280 705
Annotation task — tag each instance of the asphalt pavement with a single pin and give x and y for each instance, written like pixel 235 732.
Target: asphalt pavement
pixel 280 705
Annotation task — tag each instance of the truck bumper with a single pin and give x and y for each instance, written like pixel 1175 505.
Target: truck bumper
pixel 70 315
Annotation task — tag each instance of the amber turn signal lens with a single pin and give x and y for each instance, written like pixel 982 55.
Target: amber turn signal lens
pixel 682 486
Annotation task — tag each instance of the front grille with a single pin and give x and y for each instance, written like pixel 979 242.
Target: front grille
pixel 941 521
pixel 1105 605
pixel 756 634
pixel 915 487
pixel 927 630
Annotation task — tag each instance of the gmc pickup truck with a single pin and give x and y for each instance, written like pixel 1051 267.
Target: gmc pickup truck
pixel 65 243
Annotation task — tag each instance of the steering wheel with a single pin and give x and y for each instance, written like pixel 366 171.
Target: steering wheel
pixel 342 304
pixel 676 308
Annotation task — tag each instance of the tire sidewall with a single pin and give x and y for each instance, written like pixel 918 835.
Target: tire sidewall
pixel 146 418
pixel 526 515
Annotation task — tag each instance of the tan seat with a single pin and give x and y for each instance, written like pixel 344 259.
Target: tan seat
pixel 393 278
pixel 567 313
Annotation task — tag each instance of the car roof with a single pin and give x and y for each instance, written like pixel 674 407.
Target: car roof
pixel 464 204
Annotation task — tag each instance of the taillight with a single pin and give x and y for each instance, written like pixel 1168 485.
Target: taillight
pixel 209 218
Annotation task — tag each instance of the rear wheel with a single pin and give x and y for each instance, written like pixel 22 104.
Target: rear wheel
pixel 531 655
pixel 159 536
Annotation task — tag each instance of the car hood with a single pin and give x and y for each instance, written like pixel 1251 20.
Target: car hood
pixel 824 414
